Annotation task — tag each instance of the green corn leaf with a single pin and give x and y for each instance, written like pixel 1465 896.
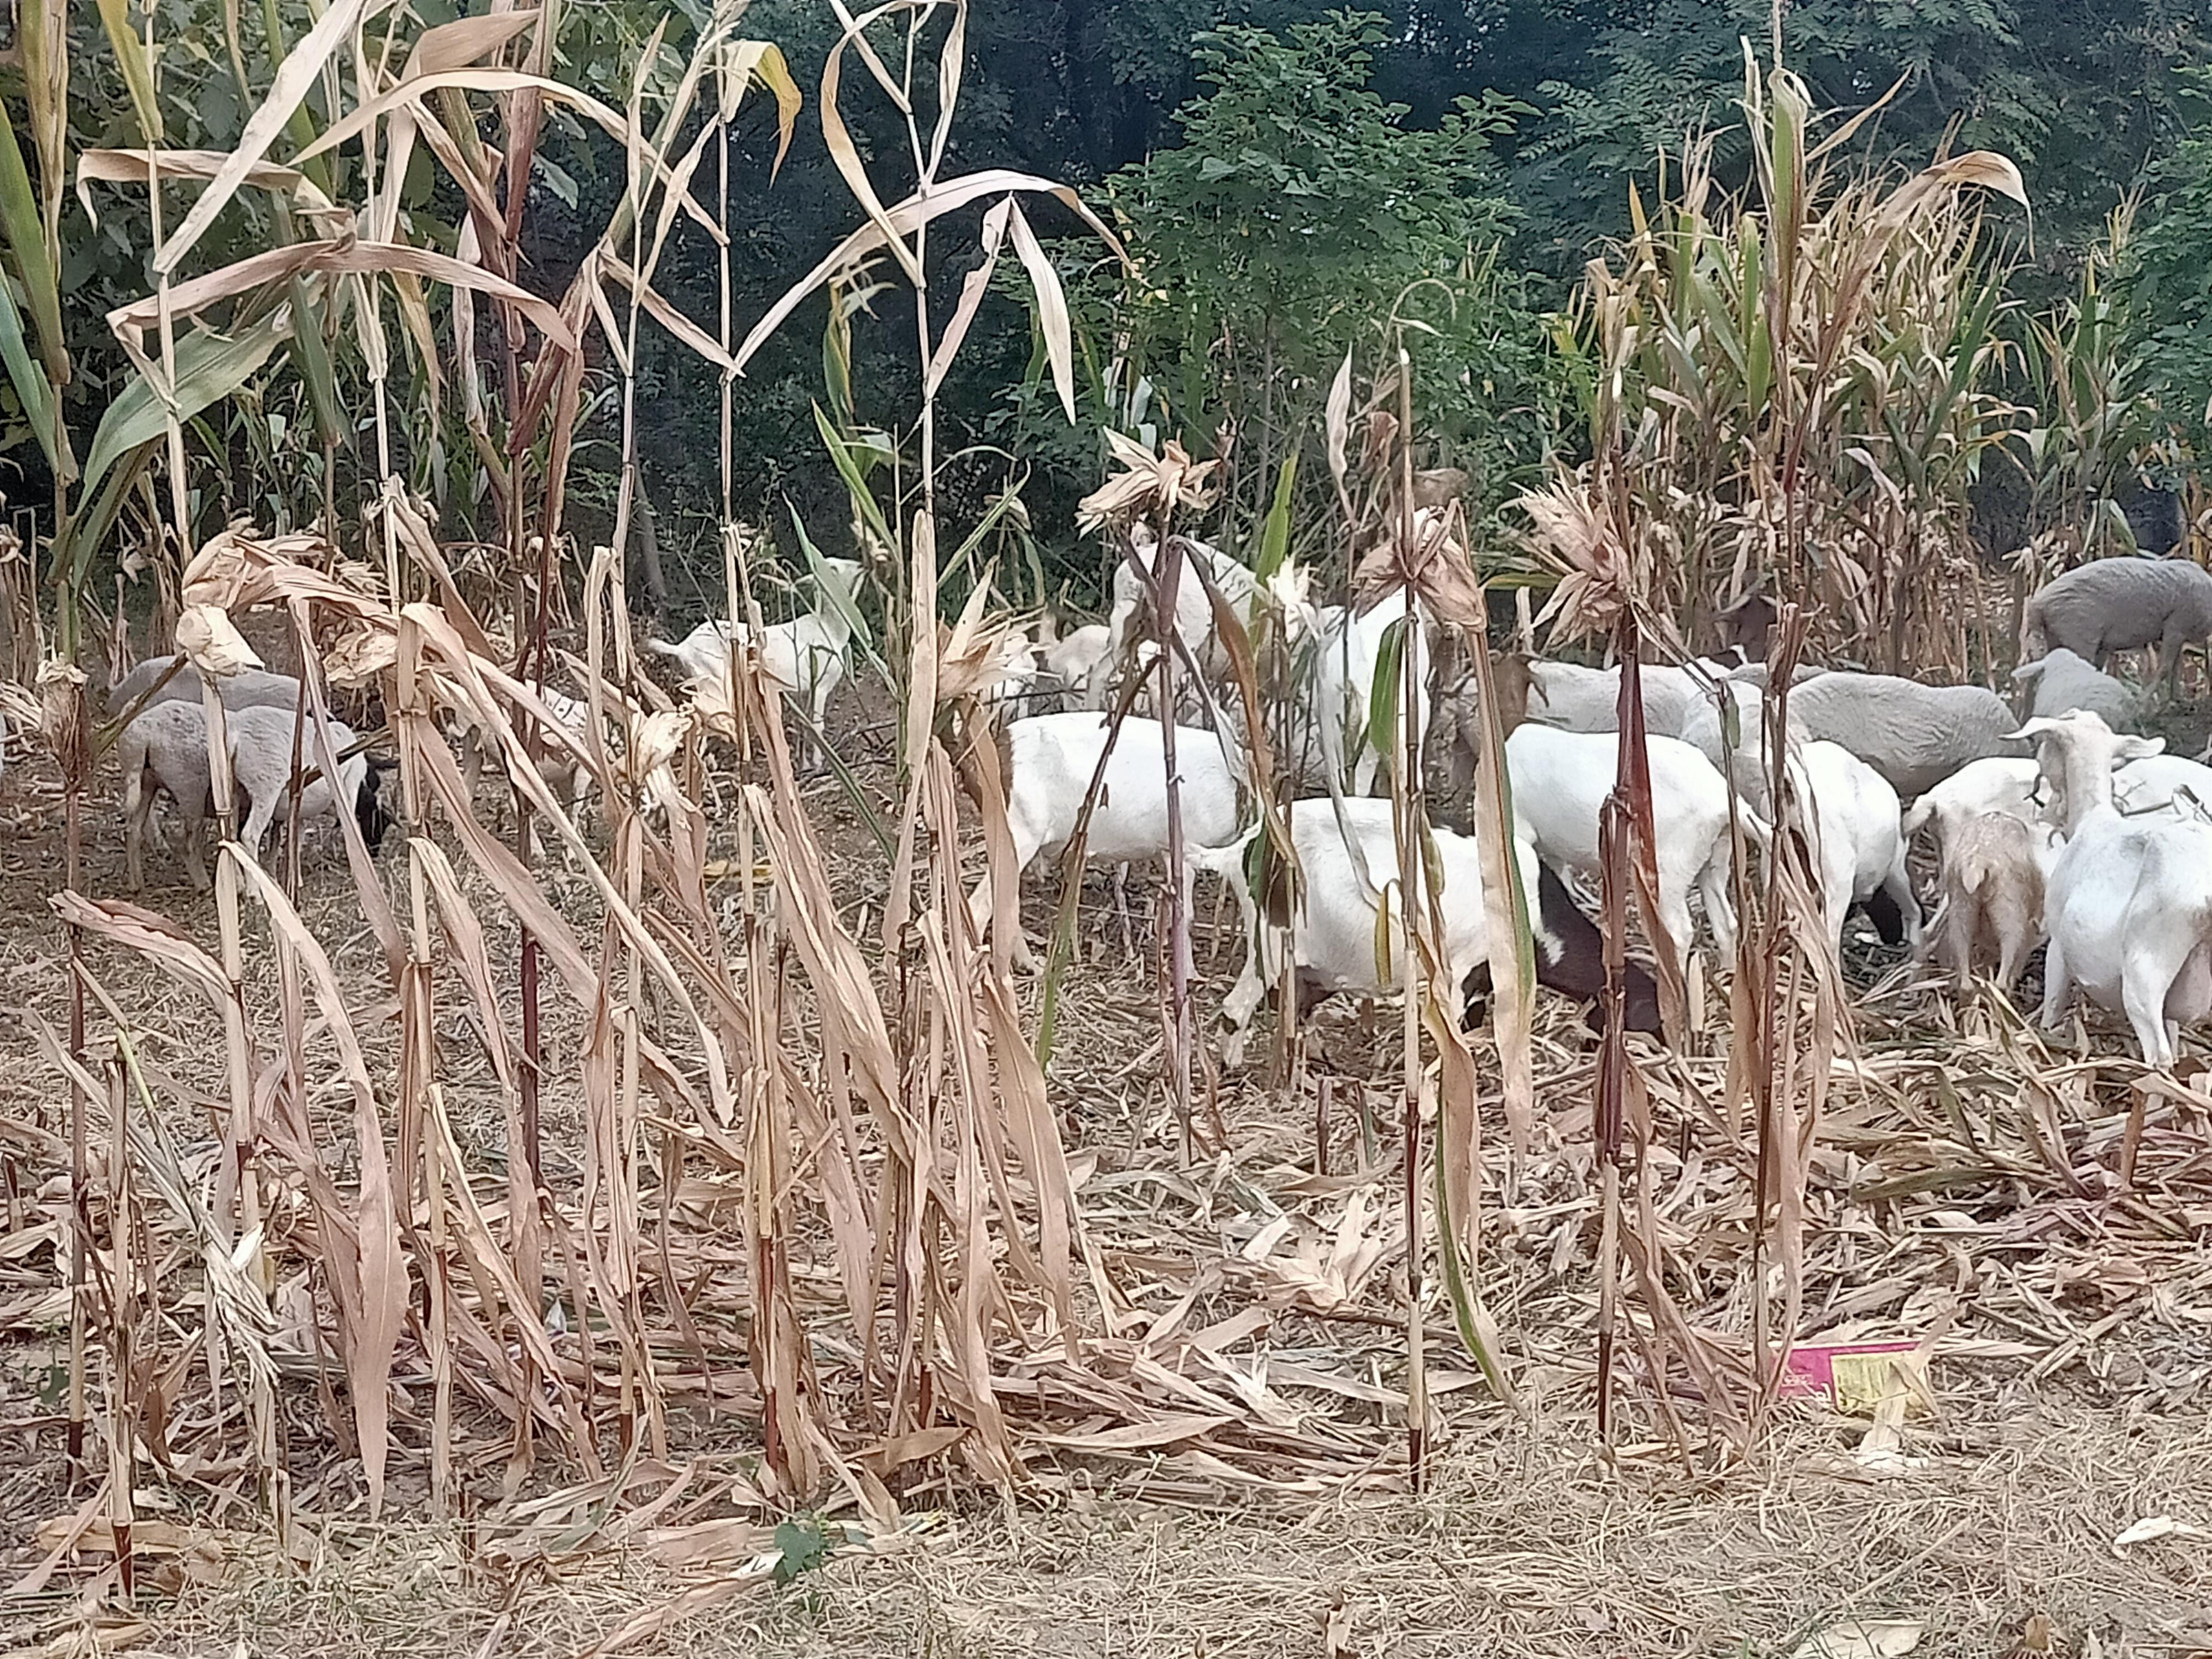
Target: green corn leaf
pixel 311 355
pixel 26 240
pixel 1275 534
pixel 32 387
pixel 861 635
pixel 1001 504
pixel 844 459
pixel 1386 958
pixel 1383 700
pixel 85 529
pixel 210 366
pixel 1477 1329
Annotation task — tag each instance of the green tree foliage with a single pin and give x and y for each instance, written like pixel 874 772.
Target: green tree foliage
pixel 1300 217
pixel 2168 279
pixel 1290 179
pixel 2081 92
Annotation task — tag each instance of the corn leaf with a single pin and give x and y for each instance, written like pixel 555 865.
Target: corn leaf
pixel 1383 699
pixel 908 216
pixel 138 70
pixel 26 240
pixel 972 289
pixel 31 387
pixel 845 155
pixel 354 258
pixel 1275 531
pixel 296 76
pixel 311 354
pixel 1052 309
pixel 856 483
pixel 209 367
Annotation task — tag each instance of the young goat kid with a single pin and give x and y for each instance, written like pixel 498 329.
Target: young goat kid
pixel 1995 866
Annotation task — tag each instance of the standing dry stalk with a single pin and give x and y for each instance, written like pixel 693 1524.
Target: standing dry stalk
pixel 63 724
pixel 126 1260
pixel 1406 810
pixel 1165 582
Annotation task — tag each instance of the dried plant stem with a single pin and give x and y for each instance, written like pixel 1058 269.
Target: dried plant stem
pixel 122 1437
pixel 80 1240
pixel 1167 576
pixel 1612 1085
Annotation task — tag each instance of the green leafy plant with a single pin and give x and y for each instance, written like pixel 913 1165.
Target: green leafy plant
pixel 802 1546
pixel 1302 213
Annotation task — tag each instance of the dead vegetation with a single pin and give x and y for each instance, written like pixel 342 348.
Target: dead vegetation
pixel 573 1254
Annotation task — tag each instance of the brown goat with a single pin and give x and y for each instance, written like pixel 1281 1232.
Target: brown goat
pixel 1992 895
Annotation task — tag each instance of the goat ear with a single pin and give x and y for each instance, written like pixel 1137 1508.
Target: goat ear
pixel 2135 748
pixel 2037 727
pixel 2028 671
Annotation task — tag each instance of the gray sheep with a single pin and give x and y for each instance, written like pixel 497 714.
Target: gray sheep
pixel 255 688
pixel 2060 682
pixel 2122 604
pixel 165 750
pixel 1914 735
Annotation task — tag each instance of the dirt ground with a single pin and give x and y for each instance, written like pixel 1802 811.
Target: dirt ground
pixel 2053 1496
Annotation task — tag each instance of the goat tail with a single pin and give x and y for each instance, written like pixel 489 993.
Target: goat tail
pixel 1918 814
pixel 1757 829
pixel 1970 871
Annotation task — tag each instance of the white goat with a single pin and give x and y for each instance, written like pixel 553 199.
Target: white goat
pixel 1347 653
pixel 1995 783
pixel 1194 611
pixel 166 748
pixel 1859 848
pixel 1048 761
pixel 1349 864
pixel 563 772
pixel 1560 781
pixel 803 657
pixel 2129 904
pixel 2164 786
pixel 1076 660
pixel 2060 682
pixel 1348 875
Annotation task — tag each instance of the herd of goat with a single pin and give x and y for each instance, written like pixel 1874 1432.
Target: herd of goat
pixel 2055 822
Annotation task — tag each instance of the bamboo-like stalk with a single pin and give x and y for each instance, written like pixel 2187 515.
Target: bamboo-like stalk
pixel 121 1430
pixel 1166 581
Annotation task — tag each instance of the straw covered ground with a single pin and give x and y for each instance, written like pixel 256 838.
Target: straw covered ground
pixel 2027 1214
